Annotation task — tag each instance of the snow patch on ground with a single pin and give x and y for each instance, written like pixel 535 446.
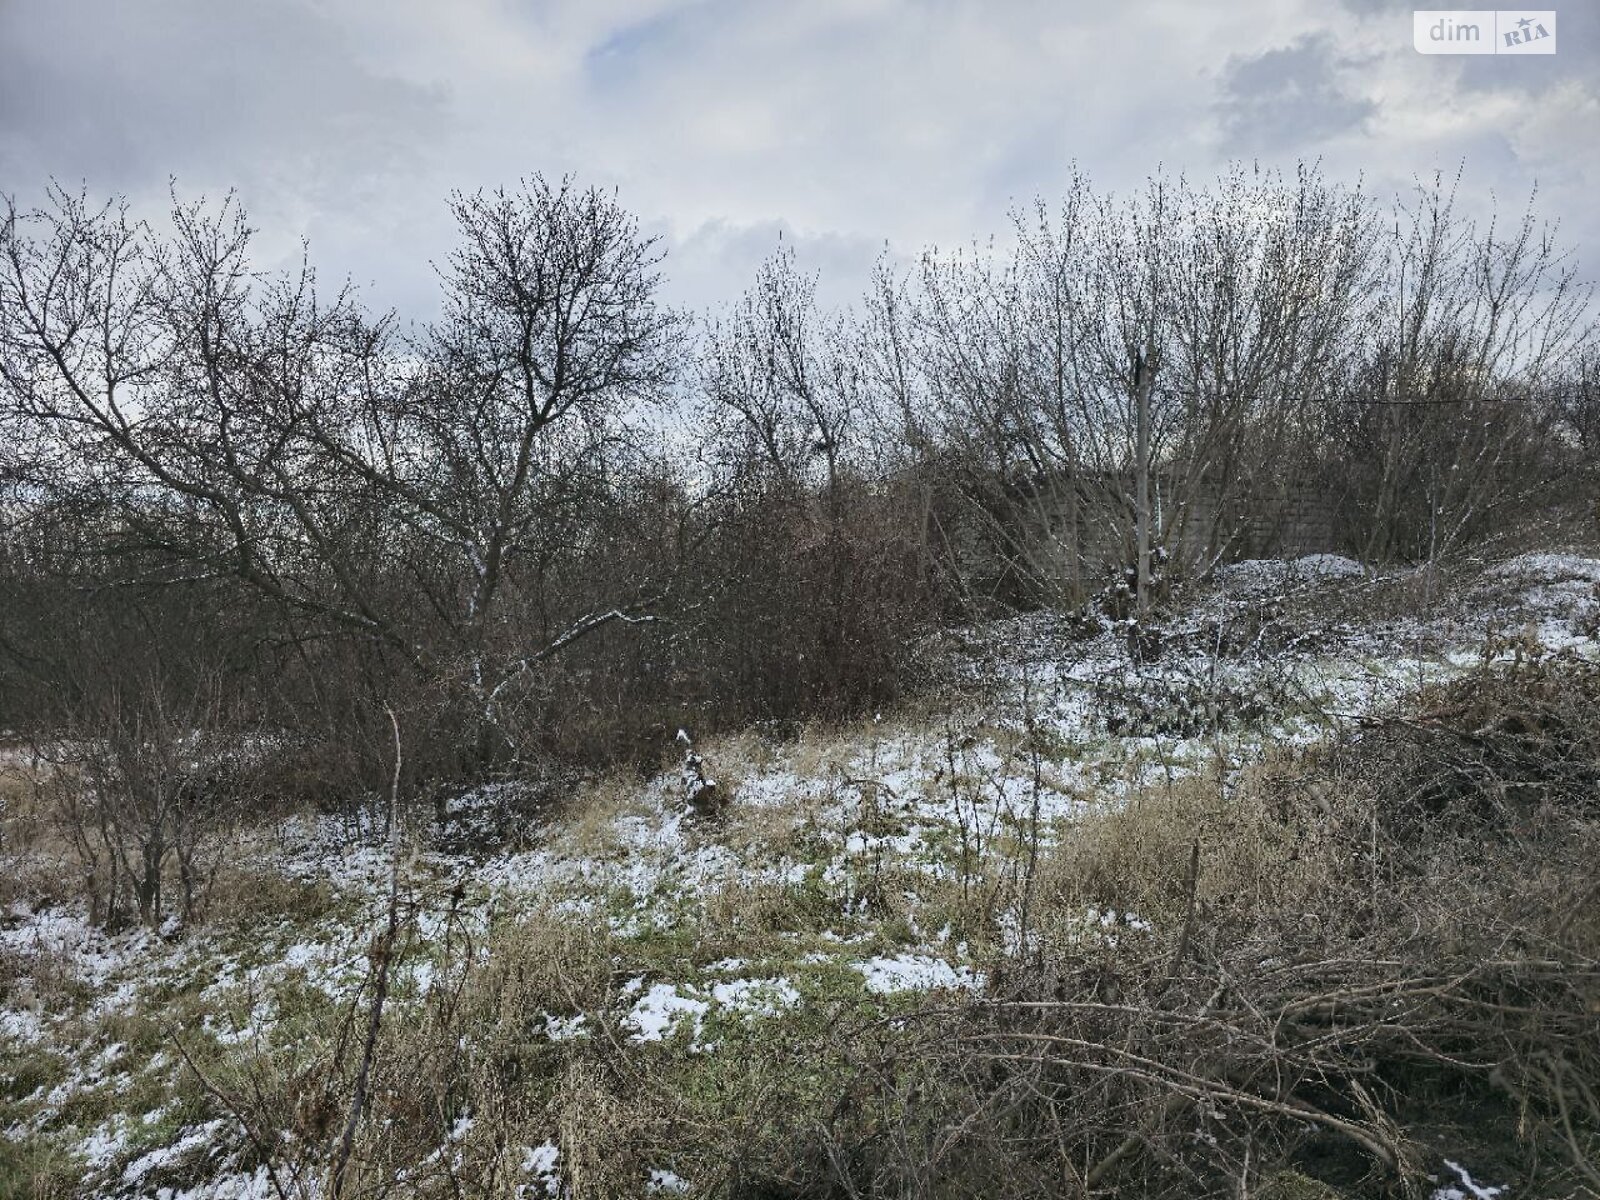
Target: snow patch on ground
pixel 916 973
pixel 255 1186
pixel 665 1009
pixel 666 1183
pixel 1549 567
pixel 1464 1188
pixel 163 1156
pixel 542 1163
pixel 658 1012
pixel 1266 574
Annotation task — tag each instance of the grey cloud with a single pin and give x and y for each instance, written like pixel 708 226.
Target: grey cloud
pixel 710 265
pixel 1577 59
pixel 1289 99
pixel 1374 7
pixel 123 94
pixel 845 124
pixel 1578 33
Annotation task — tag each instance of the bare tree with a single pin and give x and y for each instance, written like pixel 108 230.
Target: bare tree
pixel 397 491
pixel 782 374
pixel 1439 424
pixel 145 782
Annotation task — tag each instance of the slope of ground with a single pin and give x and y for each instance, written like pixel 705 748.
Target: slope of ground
pixel 652 977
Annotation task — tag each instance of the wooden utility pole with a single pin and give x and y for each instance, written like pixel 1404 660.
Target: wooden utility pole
pixel 1141 499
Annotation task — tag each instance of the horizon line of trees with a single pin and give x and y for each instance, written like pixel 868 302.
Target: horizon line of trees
pixel 561 521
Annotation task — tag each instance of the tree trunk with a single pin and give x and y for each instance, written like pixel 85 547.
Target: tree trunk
pixel 1141 499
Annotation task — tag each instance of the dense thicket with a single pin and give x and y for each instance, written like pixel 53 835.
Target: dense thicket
pixel 562 521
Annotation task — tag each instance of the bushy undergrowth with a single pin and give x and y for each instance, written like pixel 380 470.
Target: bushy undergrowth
pixel 1316 977
pixel 1332 970
pixel 1317 974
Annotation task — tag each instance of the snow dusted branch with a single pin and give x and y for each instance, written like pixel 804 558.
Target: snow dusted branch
pixel 578 630
pixel 587 625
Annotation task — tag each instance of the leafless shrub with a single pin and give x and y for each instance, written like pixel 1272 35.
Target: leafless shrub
pixel 145 798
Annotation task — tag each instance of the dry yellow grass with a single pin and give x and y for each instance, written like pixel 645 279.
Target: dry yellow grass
pixel 1226 846
pixel 587 826
pixel 33 847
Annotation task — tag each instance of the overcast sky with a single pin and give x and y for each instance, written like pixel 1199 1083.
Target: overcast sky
pixel 850 125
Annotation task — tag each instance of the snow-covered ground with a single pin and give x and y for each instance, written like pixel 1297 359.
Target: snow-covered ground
pixel 910 805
